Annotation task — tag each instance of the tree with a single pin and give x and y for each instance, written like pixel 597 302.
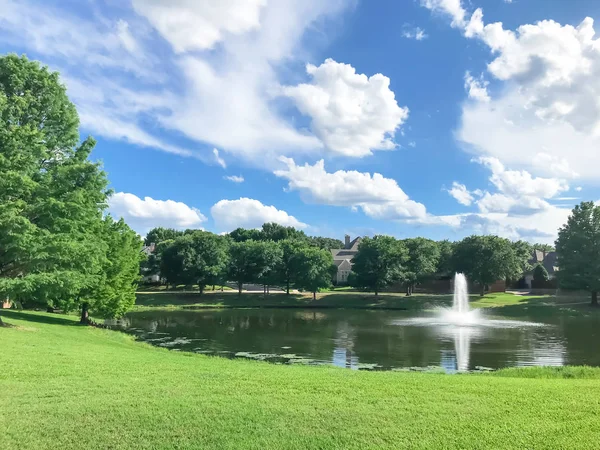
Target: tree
pixel 208 258
pixel 114 292
pixel 315 269
pixel 578 248
pixel 486 259
pixel 249 261
pixel 243 235
pixel 422 262
pixel 160 234
pixel 51 195
pixel 380 261
pixel 275 232
pixel 540 274
pixel 289 264
pixel 543 247
pixel 445 264
pixel 271 254
pixel 325 243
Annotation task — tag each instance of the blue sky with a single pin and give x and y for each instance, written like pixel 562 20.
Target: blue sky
pixel 437 118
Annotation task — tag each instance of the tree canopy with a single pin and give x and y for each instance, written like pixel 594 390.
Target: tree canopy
pixel 422 261
pixel 380 261
pixel 54 244
pixel 486 259
pixel 315 269
pixel 578 248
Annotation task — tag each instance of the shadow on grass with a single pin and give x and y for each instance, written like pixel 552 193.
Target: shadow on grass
pixel 38 318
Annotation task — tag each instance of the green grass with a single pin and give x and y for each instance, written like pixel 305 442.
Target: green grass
pixel 66 386
pixel 506 302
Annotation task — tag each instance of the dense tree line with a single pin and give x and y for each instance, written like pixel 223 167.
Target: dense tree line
pixel 57 247
pixel 272 256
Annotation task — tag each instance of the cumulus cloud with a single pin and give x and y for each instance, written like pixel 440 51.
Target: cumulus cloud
pixel 235 179
pixel 377 196
pixel 461 194
pixel 352 114
pixel 249 213
pixel 476 88
pixel 144 214
pixel 550 102
pixel 138 69
pixel 190 25
pixel 451 8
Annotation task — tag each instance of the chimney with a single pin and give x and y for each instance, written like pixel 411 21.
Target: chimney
pixel 347 241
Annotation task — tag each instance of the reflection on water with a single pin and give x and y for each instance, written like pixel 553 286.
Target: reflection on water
pixel 369 339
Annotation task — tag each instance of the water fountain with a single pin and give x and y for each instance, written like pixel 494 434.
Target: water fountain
pixel 461 323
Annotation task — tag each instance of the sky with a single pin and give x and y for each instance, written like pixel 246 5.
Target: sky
pixel 434 118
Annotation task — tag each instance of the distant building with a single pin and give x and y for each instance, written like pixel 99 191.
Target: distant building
pixel 147 277
pixel 342 258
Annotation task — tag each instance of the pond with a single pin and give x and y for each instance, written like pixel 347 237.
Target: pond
pixel 363 339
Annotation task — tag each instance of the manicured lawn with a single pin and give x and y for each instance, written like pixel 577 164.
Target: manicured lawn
pixel 65 386
pixel 346 299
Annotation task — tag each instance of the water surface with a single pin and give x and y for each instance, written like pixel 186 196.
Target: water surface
pixel 362 339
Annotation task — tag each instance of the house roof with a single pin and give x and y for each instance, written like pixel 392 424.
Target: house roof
pixel 354 244
pixel 548 260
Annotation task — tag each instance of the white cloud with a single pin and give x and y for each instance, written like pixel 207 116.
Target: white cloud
pixel 451 8
pixel 235 179
pixel 547 116
pixel 377 196
pixel 203 90
pixel 249 213
pixel 190 25
pixel 578 188
pixel 352 114
pixel 461 194
pixel 147 213
pixel 476 88
pixel 416 33
pixel 220 161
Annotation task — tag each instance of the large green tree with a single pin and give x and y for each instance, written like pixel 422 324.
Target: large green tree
pixel 486 259
pixel 160 234
pixel 380 261
pixel 445 262
pixel 578 248
pixel 289 264
pixel 249 261
pixel 315 269
pixel 422 261
pixel 51 195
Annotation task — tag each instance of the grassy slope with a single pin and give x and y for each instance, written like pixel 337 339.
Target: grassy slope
pixel 65 386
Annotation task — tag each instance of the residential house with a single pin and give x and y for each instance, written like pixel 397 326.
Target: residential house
pixel 546 259
pixel 342 258
pixel 150 278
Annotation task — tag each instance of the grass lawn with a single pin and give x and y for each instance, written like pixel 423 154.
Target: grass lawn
pixel 509 303
pixel 66 386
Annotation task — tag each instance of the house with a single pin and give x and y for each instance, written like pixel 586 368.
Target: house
pixel 149 278
pixel 342 258
pixel 546 259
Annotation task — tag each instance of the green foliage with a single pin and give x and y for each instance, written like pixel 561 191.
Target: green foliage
pixel 251 260
pixel 578 248
pixel 275 232
pixel 325 243
pixel 289 266
pixel 160 234
pixel 486 259
pixel 540 274
pixel 51 195
pixel 543 247
pixel 445 265
pixel 315 269
pixel 422 261
pixel 380 261
pixel 523 251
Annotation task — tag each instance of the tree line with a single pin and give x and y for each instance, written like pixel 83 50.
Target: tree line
pixel 272 256
pixel 58 248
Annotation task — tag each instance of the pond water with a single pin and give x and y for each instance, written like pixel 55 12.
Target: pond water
pixel 361 339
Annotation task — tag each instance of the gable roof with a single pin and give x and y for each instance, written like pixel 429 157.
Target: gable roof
pixel 354 244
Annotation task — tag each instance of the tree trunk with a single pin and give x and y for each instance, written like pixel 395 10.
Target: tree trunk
pixel 264 291
pixel 213 287
pixel 315 296
pixel 201 289
pixel 287 287
pixel 85 315
pixel 240 288
pixel 376 293
pixel 482 289
pixel 2 324
pixel 268 289
pixel 595 298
